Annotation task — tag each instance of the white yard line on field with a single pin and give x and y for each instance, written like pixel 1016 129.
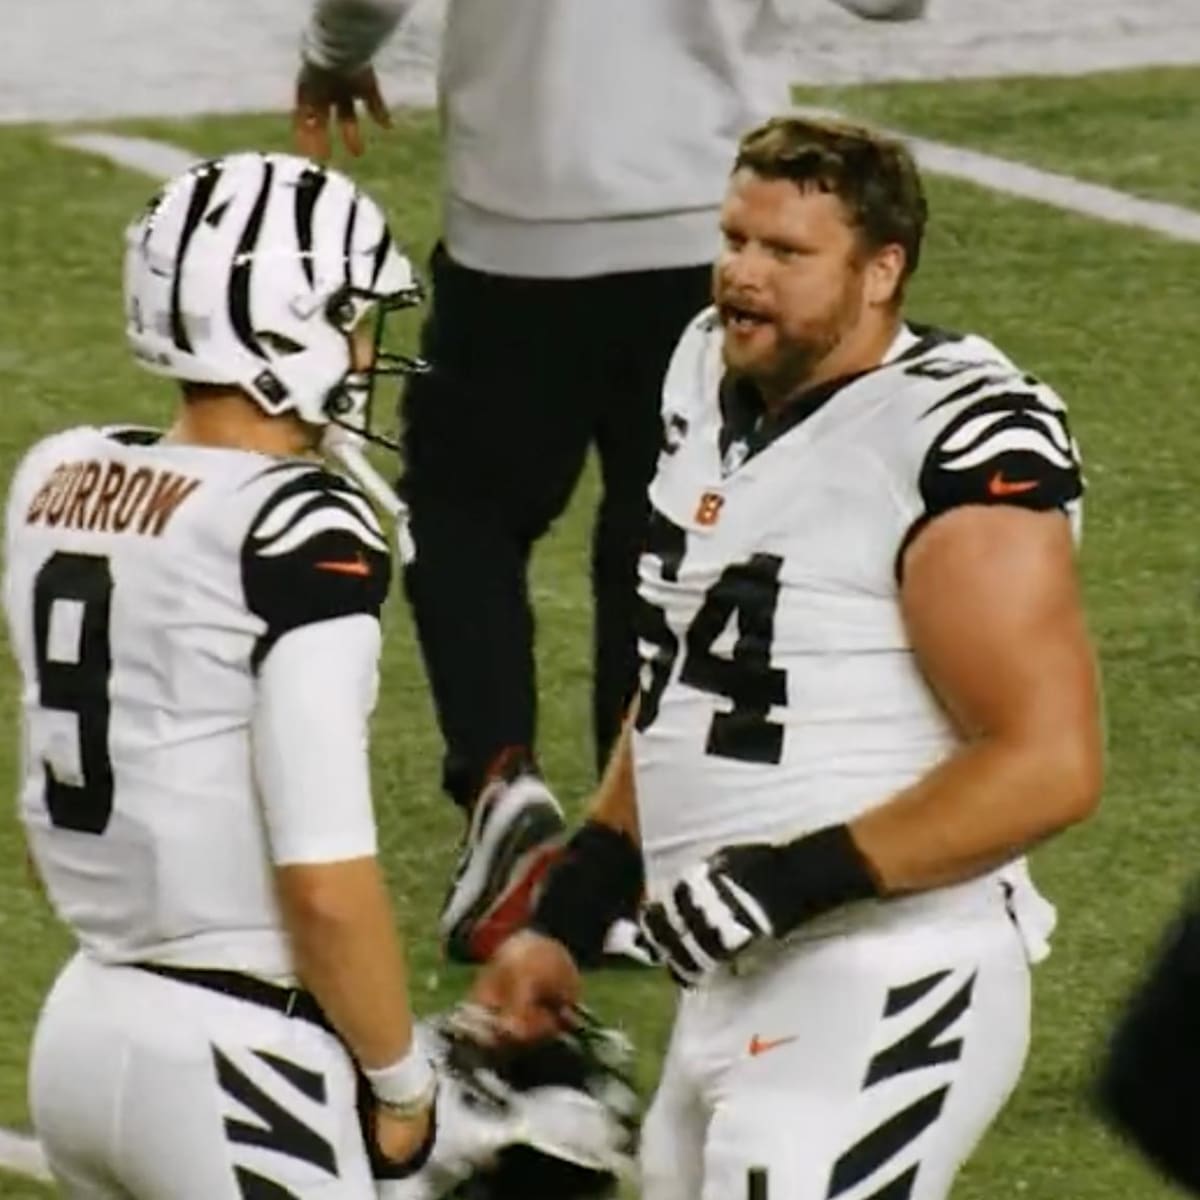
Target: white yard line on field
pixel 1061 191
pixel 161 160
pixel 23 1156
pixel 1049 187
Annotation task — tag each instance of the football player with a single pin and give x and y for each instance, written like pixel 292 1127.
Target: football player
pixel 195 615
pixel 867 688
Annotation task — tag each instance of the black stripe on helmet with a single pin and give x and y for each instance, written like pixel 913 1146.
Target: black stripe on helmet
pixel 381 253
pixel 243 263
pixel 309 186
pixel 348 241
pixel 208 175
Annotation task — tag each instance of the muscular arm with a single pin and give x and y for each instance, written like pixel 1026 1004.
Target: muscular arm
pixel 532 982
pixel 348 954
pixel 993 613
pixel 614 802
pixel 316 690
pixel 991 601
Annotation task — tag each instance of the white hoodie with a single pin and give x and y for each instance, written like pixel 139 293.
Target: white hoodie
pixel 585 137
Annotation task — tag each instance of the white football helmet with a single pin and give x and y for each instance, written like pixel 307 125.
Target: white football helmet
pixel 557 1120
pixel 253 270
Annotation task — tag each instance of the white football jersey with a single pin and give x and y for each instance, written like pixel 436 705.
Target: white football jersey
pixel 144 584
pixel 778 690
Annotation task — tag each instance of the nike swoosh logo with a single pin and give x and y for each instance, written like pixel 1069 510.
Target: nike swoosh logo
pixel 345 566
pixel 999 486
pixel 762 1045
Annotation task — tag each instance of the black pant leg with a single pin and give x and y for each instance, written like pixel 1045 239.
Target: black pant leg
pixel 467 591
pixel 653 308
pixel 494 442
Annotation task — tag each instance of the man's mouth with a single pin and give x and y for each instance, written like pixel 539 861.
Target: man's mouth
pixel 742 319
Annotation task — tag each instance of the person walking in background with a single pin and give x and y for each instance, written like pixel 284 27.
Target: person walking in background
pixel 587 144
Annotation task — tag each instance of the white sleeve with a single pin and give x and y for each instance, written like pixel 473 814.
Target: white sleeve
pixel 316 690
pixel 343 35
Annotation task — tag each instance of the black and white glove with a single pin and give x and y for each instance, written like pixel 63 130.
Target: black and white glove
pixel 743 895
pixel 711 914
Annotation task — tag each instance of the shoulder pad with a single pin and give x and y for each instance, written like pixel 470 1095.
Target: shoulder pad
pixel 986 433
pixel 314 551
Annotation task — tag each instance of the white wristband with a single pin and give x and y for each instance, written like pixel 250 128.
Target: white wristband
pixel 406 1087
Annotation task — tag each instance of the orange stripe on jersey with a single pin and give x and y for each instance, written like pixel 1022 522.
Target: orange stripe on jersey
pixel 345 566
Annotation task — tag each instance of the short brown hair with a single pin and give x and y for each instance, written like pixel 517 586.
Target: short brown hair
pixel 873 175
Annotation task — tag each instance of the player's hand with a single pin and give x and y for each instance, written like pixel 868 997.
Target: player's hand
pixel 531 986
pixel 397 1139
pixel 321 94
pixel 713 913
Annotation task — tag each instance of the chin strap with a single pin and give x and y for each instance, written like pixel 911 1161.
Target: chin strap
pixel 345 447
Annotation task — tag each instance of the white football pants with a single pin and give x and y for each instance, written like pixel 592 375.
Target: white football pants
pixel 861 1067
pixel 146 1087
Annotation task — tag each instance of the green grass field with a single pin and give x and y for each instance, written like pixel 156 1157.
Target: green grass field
pixel 1105 314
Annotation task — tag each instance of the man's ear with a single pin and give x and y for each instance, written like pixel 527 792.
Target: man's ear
pixel 884 273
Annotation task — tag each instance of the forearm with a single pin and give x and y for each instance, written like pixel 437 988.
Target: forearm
pixel 991 603
pixel 599 877
pixel 614 802
pixel 316 688
pixel 980 808
pixel 349 956
pixel 343 35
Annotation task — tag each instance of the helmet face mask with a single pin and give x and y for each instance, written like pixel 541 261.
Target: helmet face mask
pixel 257 271
pixel 363 318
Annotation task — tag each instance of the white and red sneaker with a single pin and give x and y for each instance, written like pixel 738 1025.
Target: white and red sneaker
pixel 516 833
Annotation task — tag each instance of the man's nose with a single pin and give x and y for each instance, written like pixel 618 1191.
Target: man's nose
pixel 743 268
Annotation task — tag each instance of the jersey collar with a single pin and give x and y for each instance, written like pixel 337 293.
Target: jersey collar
pixel 746 429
